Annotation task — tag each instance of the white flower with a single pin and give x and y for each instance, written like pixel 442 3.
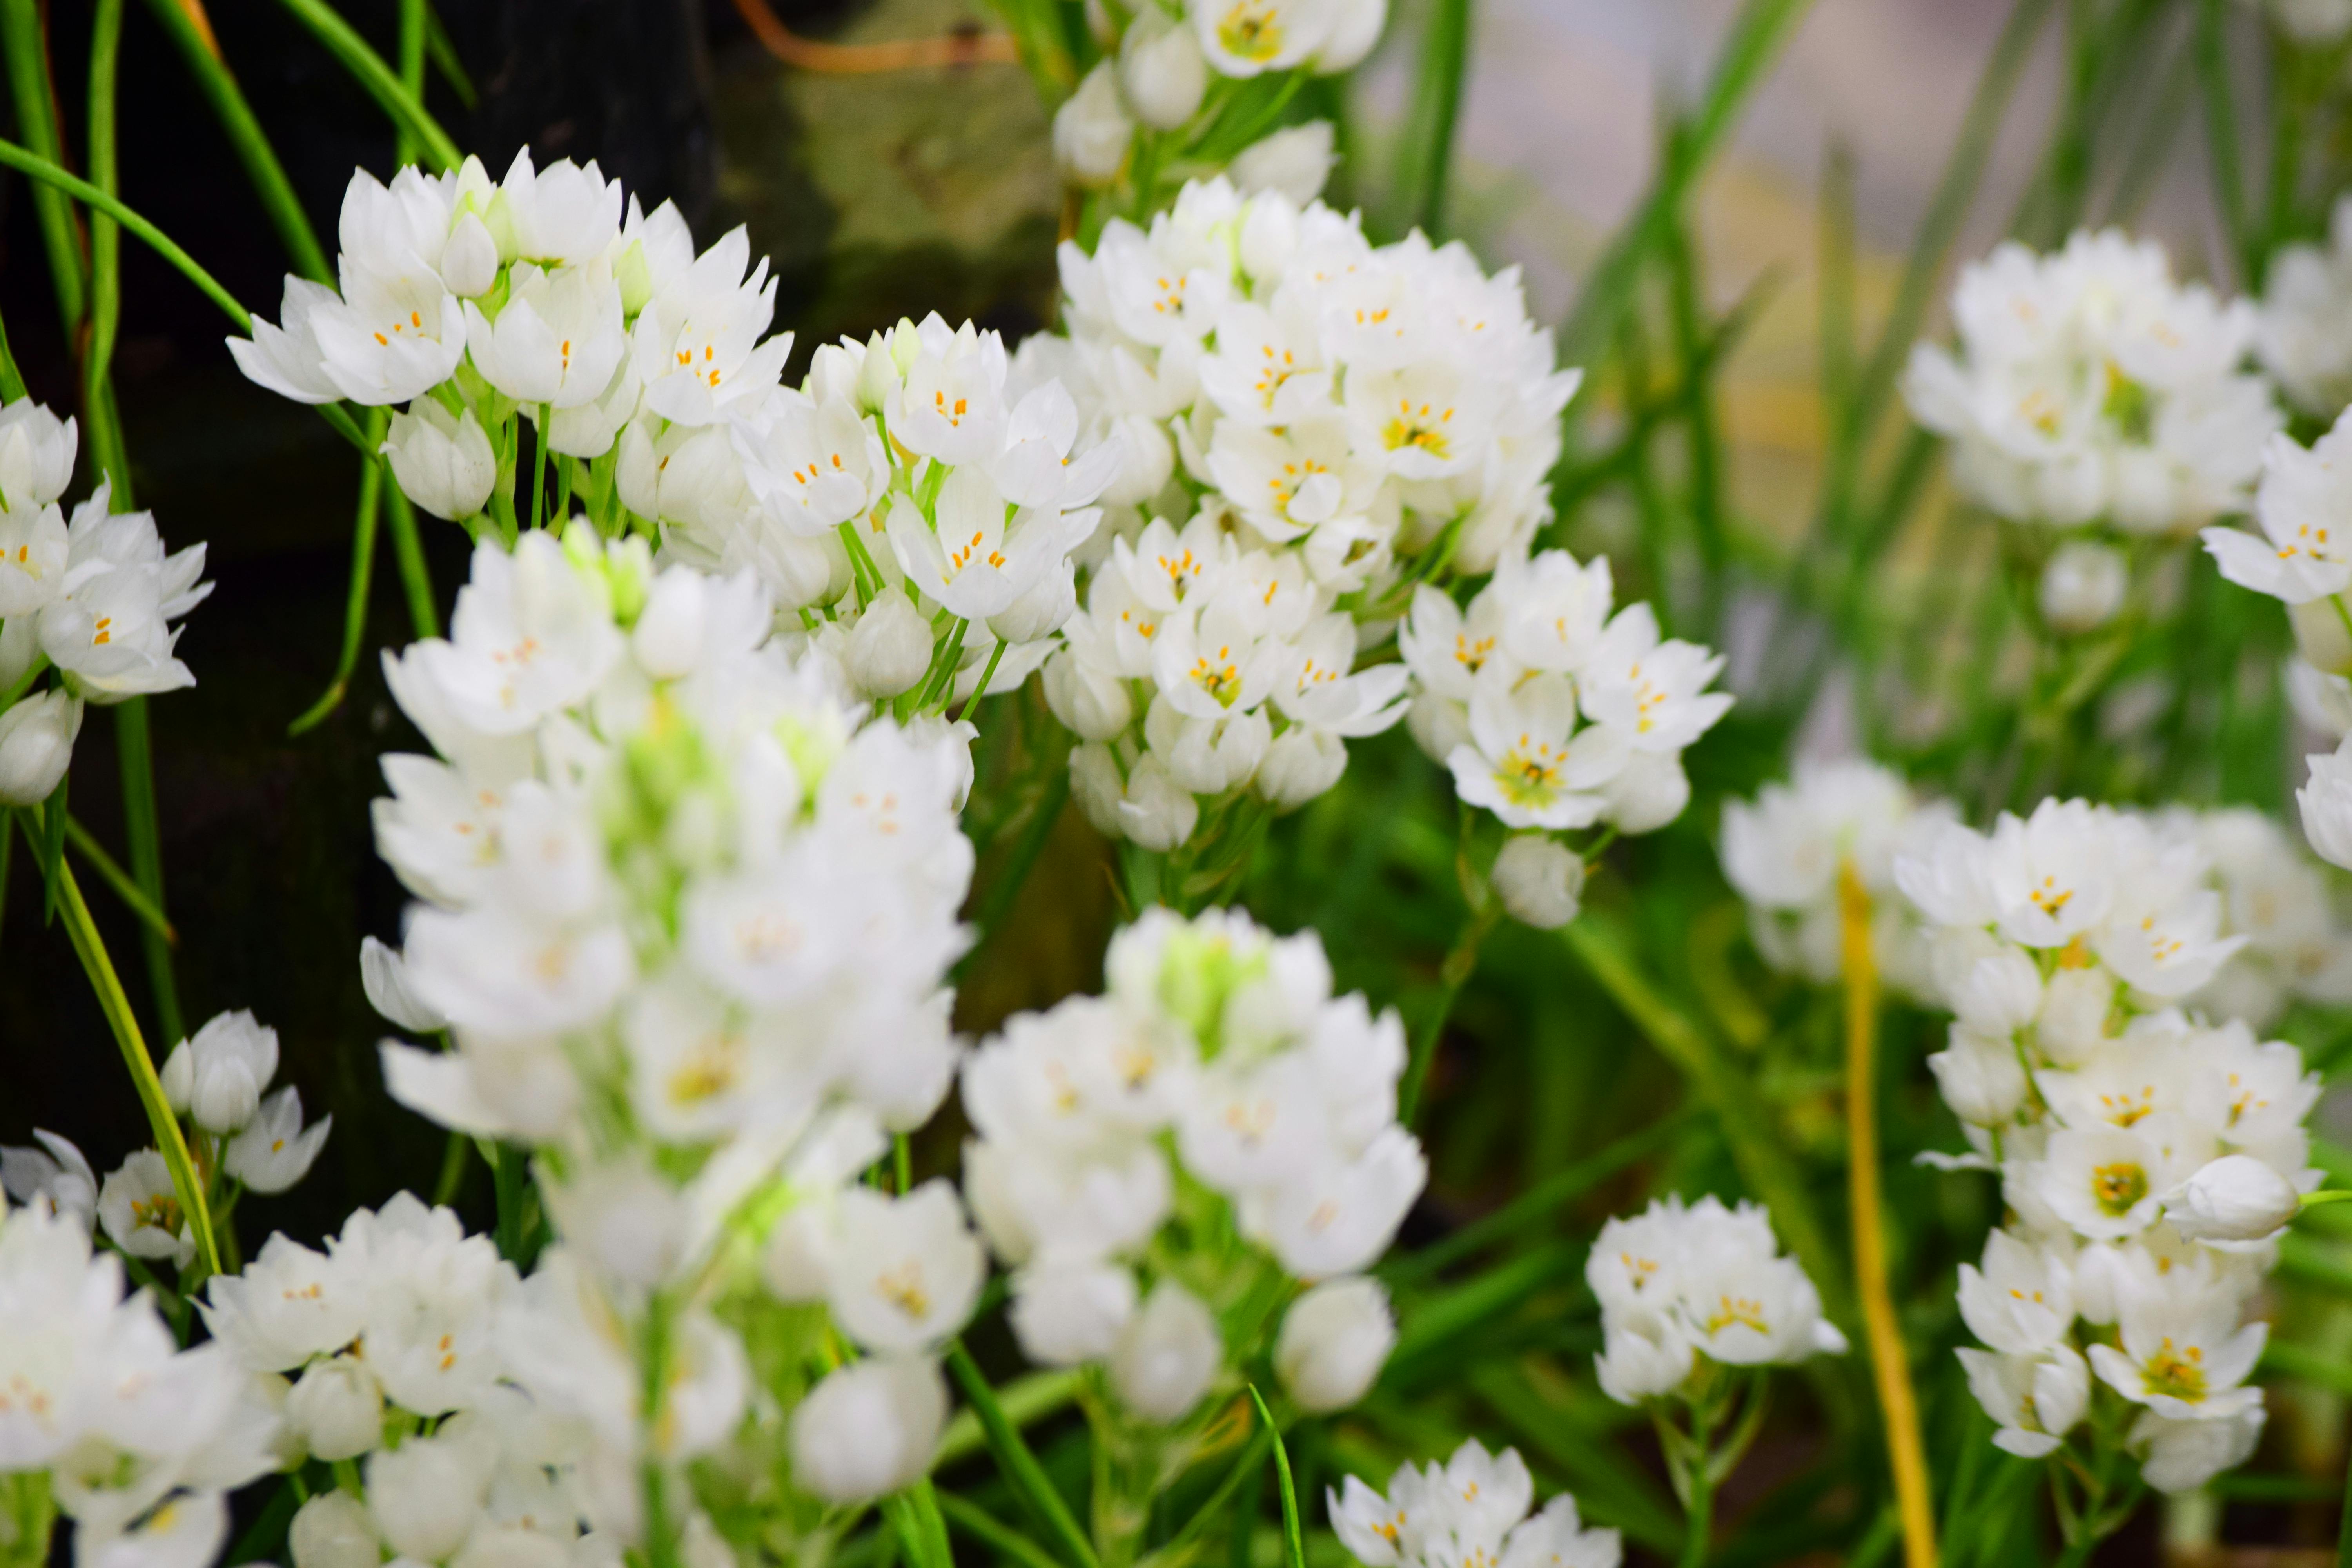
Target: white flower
pixel 1246 37
pixel 559 215
pixel 890 646
pixel 218 1075
pixel 274 1150
pixel 442 461
pixel 2302 335
pixel 336 1408
pixel 54 1176
pixel 141 1210
pixel 2236 1198
pixel 426 1494
pixel 556 341
pixel 2083 586
pixel 2182 1455
pixel 333 1530
pixel 1066 1315
pixel 1473 1510
pixel 2184 1354
pixel 1167 1355
pixel 532 634
pixel 696 345
pixel 2022 1303
pixel 2035 1400
pixel 383 976
pixel 868 1429
pixel 36 739
pixel 290 1304
pixel 1334 1341
pixel 906 1271
pixel 1538 880
pixel 37 456
pixel 2304 549
pixel 1091 129
pixel 2326 804
pixel 1293 163
pixel 1522 763
pixel 1160 69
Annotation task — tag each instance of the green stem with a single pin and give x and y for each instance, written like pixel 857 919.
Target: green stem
pixel 144 839
pixel 91 950
pixel 355 605
pixel 201 53
pixel 1452 975
pixel 133 897
pixel 661 1534
pixel 407 113
pixel 413 28
pixel 1701 1517
pixel 105 249
pixel 539 469
pixel 24 43
pixel 408 550
pixel 47 171
pixel 1444 56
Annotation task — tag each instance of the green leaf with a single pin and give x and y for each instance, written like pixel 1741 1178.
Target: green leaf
pixel 986 1528
pixel 1294 1546
pixel 1020 1467
pixel 914 1514
pixel 345 44
pixel 1213 1506
pixel 133 897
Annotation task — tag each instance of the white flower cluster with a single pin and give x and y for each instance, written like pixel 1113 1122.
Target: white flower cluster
pixel 1785 853
pixel 135 1440
pixel 2091 388
pixel 1309 425
pixel 1556 715
pixel 2298 946
pixel 92 598
pixel 1682 1286
pixel 1471 1510
pixel 1222 1046
pixel 1172 70
pixel 896 497
pixel 215 1081
pixel 2126 1136
pixel 687 920
pixel 2304 331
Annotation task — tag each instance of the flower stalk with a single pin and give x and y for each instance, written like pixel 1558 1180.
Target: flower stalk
pixel 1890 1365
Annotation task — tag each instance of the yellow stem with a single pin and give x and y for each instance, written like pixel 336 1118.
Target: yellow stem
pixel 1889 1364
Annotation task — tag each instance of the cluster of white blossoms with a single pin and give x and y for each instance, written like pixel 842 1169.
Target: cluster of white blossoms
pixel 687 915
pixel 92 598
pixel 104 1418
pixel 2298 948
pixel 242 1142
pixel 1473 1510
pixel 1309 426
pixel 1151 111
pixel 2137 1144
pixel 1556 715
pixel 2302 555
pixel 1213 1126
pixel 897 499
pixel 1786 853
pixel 2304 328
pixel 2092 389
pixel 1685 1287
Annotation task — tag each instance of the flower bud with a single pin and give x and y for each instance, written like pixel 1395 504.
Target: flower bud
pixel 1167 1355
pixel 442 461
pixel 1300 764
pixel 2326 804
pixel 890 648
pixel 383 976
pixel 37 456
pixel 1335 1339
pixel 332 1531
pixel 1999 995
pixel 1091 130
pixel 2083 586
pixel 2234 1198
pixel 1539 879
pixel 1162 69
pixel 336 1408
pixel 1355 27
pixel 1088 698
pixel 2074 1021
pixel 37 741
pixel 426 1494
pixel 1292 162
pixel 1641 1357
pixel 1146 459
pixel 1050 601
pixel 1649 792
pixel 1156 811
pixel 469 261
pixel 1982 1080
pixel 2320 635
pixel 217 1074
pixel 868 1429
pixel 667 637
pixel 1070 1315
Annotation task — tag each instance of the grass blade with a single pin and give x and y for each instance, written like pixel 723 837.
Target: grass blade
pixel 1215 1504
pixel 91 950
pixel 1444 56
pixel 24 47
pixel 355 605
pixel 990 1532
pixel 1294 1545
pixel 1022 1471
pixel 133 897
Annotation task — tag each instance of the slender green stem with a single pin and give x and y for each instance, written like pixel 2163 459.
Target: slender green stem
pixel 1700 1529
pixel 146 845
pixel 984 1528
pixel 408 552
pixel 47 171
pixel 1452 975
pixel 1445 61
pixel 443 54
pixel 414 17
pixel 105 248
pixel 368 68
pixel 1020 1467
pixel 201 53
pixel 12 381
pixel 24 45
pixel 91 950
pixel 453 1169
pixel 539 469
pixel 355 606
pixel 135 897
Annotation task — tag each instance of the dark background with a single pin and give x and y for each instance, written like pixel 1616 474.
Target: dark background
pixel 271 875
